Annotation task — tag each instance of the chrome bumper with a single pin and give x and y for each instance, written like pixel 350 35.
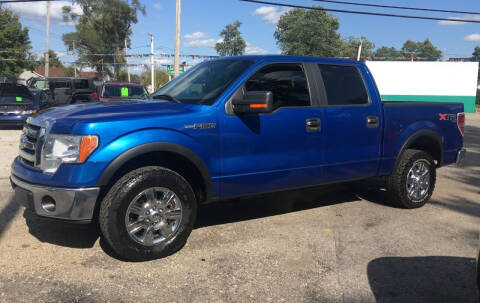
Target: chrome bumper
pixel 461 156
pixel 75 204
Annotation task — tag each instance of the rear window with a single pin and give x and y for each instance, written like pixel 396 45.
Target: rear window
pixel 343 85
pixel 14 93
pixel 123 91
pixel 81 84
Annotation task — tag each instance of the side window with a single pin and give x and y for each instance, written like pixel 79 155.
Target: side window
pixel 81 84
pixel 287 82
pixel 343 85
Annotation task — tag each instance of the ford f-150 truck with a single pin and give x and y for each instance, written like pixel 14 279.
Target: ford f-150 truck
pixel 230 127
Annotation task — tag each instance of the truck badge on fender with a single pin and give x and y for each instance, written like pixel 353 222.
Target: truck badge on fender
pixel 450 117
pixel 201 126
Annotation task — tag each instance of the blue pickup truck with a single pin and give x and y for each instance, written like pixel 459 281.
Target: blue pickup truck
pixel 226 128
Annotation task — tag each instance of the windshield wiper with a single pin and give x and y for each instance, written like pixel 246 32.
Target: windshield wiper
pixel 167 97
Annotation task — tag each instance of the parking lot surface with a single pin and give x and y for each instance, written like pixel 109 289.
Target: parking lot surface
pixel 337 243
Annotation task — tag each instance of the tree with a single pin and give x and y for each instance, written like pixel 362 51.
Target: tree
pixel 308 32
pixel 52 59
pixel 388 53
pixel 476 52
pixel 350 47
pixel 14 43
pixel 420 49
pixel 232 43
pixel 102 29
pixel 161 78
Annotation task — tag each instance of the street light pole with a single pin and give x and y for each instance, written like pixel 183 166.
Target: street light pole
pixel 47 52
pixel 176 61
pixel 360 48
pixel 152 63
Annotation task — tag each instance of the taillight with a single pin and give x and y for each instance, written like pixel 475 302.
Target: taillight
pixel 94 96
pixel 461 122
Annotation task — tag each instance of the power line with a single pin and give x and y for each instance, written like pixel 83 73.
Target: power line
pixel 17 1
pixel 361 12
pixel 400 7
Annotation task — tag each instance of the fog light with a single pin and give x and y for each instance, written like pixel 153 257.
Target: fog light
pixel 48 204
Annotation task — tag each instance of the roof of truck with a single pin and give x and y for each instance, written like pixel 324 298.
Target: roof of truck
pixel 281 58
pixel 122 83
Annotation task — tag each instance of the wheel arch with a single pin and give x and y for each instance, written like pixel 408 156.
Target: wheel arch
pixel 426 140
pixel 169 155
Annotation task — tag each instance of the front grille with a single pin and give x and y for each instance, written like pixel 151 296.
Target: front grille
pixel 8 110
pixel 30 145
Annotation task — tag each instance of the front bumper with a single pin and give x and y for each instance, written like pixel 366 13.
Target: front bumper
pixel 461 156
pixel 73 204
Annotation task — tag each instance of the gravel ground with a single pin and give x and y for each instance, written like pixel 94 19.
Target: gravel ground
pixel 341 243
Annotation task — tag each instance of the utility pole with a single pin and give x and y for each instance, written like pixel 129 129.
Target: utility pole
pixel 47 52
pixel 74 59
pixel 360 48
pixel 152 62
pixel 176 61
pixel 126 60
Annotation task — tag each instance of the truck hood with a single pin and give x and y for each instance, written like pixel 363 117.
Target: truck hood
pixel 64 118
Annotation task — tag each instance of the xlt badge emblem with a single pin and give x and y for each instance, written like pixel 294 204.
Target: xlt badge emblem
pixel 201 126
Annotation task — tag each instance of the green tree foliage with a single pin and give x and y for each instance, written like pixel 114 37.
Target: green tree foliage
pixel 14 38
pixel 421 49
pixel 232 43
pixel 388 53
pixel 161 78
pixel 351 44
pixel 476 52
pixel 52 58
pixel 309 33
pixel 102 29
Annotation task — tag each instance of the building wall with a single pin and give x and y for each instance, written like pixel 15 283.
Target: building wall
pixel 427 81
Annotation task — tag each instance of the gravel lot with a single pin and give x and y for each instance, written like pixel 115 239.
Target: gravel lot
pixel 341 243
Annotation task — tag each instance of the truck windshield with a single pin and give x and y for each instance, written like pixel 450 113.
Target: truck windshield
pixel 203 83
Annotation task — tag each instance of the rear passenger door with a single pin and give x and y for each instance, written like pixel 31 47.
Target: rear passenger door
pixel 352 125
pixel 277 150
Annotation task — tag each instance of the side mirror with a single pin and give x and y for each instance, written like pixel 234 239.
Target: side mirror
pixel 253 102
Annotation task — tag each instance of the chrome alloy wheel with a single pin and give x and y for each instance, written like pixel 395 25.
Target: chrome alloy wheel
pixel 153 216
pixel 418 180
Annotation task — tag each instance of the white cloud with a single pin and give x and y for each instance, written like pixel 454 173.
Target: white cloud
pixel 473 37
pixel 270 14
pixel 254 50
pixel 198 39
pixel 459 18
pixel 37 11
pixel 195 35
pixel 157 6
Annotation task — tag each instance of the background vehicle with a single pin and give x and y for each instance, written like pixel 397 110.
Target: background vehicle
pixel 61 91
pixel 17 103
pixel 227 128
pixel 111 91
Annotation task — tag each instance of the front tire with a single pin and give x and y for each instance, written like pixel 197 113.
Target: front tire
pixel 148 214
pixel 412 183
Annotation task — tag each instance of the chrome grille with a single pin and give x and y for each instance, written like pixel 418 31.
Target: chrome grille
pixel 30 144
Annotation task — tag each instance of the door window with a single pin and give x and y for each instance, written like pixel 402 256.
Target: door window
pixel 287 82
pixel 343 85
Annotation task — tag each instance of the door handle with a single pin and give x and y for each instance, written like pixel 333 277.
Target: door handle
pixel 372 121
pixel 313 124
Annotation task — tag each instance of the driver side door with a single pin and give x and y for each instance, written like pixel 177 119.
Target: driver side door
pixel 275 150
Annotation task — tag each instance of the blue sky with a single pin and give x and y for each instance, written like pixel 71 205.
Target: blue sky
pixel 202 21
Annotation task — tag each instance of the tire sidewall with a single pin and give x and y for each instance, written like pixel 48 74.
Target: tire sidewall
pixel 403 187
pixel 121 199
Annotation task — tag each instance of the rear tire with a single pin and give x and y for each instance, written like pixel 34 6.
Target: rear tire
pixel 148 214
pixel 412 182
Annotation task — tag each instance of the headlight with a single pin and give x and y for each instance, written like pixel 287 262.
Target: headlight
pixel 59 149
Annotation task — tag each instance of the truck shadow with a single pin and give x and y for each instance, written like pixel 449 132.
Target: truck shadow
pixel 423 279
pixel 229 211
pixel 61 233
pixel 7 214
